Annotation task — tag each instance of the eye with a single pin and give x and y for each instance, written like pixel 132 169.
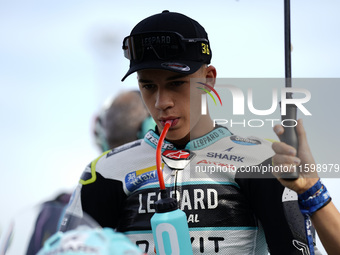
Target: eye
pixel 148 86
pixel 177 83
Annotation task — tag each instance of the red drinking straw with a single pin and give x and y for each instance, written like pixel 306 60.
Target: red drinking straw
pixel 159 154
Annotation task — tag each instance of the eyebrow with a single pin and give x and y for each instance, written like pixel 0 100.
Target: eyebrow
pixel 177 76
pixel 170 78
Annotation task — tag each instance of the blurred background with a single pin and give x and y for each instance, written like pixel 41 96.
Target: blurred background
pixel 60 60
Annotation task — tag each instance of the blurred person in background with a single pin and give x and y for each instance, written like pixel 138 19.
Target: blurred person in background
pixel 123 119
pixel 47 221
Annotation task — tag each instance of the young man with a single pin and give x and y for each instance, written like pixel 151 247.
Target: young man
pixel 228 213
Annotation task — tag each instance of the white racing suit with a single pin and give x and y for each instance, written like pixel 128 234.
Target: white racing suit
pixel 221 181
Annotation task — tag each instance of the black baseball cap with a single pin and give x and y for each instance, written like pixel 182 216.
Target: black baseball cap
pixel 169 41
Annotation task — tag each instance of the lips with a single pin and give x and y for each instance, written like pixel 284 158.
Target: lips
pixel 173 119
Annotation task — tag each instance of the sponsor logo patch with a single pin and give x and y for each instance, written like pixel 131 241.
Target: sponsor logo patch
pixel 214 163
pixel 225 156
pixel 153 141
pixel 244 141
pixel 177 159
pixel 173 154
pixel 136 179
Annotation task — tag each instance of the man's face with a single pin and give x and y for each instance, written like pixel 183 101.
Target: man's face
pixel 167 96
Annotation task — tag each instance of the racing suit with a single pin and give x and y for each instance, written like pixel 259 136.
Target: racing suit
pixel 233 204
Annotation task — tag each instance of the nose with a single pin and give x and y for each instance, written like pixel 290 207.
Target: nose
pixel 164 100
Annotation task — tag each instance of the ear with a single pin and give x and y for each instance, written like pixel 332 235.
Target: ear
pixel 211 75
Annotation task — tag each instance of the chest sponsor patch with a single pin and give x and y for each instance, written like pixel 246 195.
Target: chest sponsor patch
pixel 177 154
pixel 225 156
pixel 244 141
pixel 153 141
pixel 136 179
pixel 219 164
pixel 177 159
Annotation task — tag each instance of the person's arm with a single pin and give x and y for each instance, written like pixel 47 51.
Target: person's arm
pixel 324 215
pixel 98 197
pixel 327 224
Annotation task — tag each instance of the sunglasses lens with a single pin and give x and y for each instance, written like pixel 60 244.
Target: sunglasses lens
pixel 163 45
pixel 133 48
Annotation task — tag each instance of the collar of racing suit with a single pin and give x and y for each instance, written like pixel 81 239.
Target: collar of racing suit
pixel 199 143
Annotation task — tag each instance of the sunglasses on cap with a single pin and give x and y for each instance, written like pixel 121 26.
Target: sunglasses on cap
pixel 164 45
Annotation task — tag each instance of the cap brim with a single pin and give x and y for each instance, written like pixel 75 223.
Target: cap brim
pixel 180 66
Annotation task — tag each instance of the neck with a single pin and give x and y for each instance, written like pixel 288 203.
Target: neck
pixel 202 127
